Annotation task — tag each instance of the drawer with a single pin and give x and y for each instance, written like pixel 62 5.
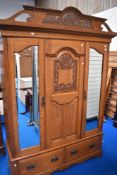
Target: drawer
pixel 38 164
pixel 82 149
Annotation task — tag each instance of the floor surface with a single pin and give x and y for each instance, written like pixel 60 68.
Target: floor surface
pixel 105 165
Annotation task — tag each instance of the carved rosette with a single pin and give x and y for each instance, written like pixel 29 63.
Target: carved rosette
pixel 67 64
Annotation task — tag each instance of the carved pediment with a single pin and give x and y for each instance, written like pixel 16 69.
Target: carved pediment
pixel 69 17
pixel 70 20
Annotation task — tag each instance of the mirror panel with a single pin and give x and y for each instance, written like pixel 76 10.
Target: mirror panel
pixel 27 97
pixel 94 88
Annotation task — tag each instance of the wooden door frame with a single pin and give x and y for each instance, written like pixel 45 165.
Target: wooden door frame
pixel 11 45
pixel 81 46
pixel 102 48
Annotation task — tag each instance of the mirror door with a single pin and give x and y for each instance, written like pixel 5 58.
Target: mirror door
pixel 94 85
pixel 93 89
pixel 28 93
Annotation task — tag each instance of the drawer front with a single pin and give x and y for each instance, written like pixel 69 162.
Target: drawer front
pixel 38 164
pixel 82 149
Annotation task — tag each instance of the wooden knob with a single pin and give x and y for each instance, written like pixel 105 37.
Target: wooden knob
pixel 30 167
pixel 54 159
pixel 92 145
pixel 74 151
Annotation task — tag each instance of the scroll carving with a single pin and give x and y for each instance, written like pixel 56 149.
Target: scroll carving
pixel 24 17
pixel 69 18
pixel 65 67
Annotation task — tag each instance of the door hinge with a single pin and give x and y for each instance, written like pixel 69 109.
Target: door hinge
pixel 85 95
pixel 43 101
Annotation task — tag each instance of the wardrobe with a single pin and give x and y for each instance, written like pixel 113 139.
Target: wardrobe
pixel 66 56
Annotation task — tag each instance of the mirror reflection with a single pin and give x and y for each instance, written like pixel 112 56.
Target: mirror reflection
pixel 27 95
pixel 94 88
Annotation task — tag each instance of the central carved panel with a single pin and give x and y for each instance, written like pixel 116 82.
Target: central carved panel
pixel 65 73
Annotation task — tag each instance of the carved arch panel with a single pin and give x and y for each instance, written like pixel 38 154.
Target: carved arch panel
pixel 65 72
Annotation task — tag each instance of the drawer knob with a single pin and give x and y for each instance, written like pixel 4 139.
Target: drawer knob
pixel 54 159
pixel 92 145
pixel 30 167
pixel 74 151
